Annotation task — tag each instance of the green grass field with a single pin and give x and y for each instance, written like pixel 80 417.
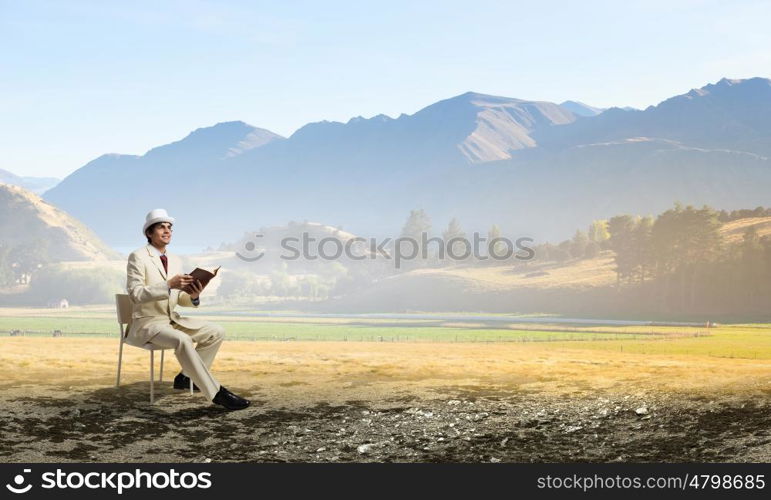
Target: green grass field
pixel 750 341
pixel 743 341
pixel 285 330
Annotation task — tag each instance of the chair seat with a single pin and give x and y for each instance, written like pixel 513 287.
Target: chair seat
pixel 146 346
pixel 123 306
pixel 152 347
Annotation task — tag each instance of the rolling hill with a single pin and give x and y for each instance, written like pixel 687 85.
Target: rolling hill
pixel 27 219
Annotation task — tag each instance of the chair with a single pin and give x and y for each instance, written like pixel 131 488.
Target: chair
pixel 123 307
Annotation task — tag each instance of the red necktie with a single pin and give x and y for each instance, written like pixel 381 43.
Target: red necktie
pixel 165 263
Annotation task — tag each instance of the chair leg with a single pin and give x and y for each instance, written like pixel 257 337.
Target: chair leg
pixel 120 355
pixel 152 375
pixel 191 386
pixel 161 377
pixel 120 360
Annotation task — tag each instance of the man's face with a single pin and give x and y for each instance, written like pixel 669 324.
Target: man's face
pixel 161 235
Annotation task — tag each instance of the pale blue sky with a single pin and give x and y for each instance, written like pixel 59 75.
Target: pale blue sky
pixel 83 78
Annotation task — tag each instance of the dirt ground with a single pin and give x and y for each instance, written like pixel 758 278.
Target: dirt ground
pixel 355 402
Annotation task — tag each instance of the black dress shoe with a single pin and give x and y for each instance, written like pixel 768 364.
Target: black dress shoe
pixel 229 400
pixel 183 382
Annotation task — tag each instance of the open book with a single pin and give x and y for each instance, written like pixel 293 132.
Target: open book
pixel 202 276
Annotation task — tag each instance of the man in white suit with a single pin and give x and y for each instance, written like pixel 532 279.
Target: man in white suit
pixel 156 285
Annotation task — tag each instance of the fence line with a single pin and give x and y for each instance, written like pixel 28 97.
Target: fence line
pixel 438 338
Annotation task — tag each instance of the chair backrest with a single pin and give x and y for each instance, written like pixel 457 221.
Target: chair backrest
pixel 123 307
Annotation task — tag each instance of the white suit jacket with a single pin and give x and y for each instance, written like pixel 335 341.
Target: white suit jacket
pixel 152 301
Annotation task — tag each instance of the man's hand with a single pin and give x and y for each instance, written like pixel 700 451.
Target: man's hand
pixel 195 289
pixel 180 281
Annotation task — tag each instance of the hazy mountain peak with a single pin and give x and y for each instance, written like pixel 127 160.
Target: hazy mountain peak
pixel 37 185
pixel 360 119
pixel 481 127
pixel 693 93
pixel 221 140
pixel 231 125
pixel 756 81
pixel 729 114
pixel 749 88
pixel 494 126
pixel 10 178
pixel 581 109
pixel 727 82
pixel 477 99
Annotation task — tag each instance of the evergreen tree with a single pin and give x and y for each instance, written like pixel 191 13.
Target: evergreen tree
pixel 578 245
pixel 416 225
pixel 685 242
pixel 497 248
pixel 456 248
pixel 592 250
pixel 622 241
pixel 598 231
pixel 643 257
pixel 752 263
pixel 562 252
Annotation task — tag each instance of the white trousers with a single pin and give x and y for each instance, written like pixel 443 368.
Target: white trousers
pixel 194 360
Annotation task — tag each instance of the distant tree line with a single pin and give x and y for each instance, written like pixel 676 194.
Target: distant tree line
pixel 440 246
pixel 583 245
pixel 588 244
pixel 676 262
pixel 744 213
pixel 679 261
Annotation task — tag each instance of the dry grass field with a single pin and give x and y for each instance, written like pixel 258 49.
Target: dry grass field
pixel 596 272
pixel 398 401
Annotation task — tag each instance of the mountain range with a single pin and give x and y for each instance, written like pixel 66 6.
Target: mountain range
pixel 535 168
